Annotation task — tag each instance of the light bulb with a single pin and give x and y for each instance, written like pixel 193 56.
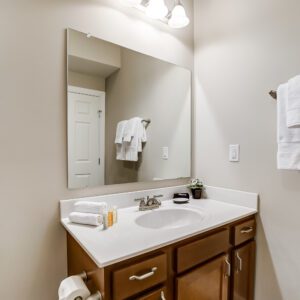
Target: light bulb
pixel 156 9
pixel 178 18
pixel 132 2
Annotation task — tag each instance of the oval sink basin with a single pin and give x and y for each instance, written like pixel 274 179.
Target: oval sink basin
pixel 169 218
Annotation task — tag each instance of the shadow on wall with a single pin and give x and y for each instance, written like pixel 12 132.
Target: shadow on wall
pixel 264 261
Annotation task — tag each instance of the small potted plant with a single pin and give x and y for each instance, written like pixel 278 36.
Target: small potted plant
pixel 196 186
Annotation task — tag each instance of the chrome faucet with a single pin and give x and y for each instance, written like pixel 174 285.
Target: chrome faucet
pixel 150 203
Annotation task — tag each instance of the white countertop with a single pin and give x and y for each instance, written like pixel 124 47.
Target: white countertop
pixel 126 239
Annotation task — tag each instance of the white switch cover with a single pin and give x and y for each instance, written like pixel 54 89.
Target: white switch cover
pixel 165 153
pixel 234 152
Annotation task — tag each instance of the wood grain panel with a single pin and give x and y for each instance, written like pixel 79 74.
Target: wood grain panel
pixel 123 287
pixel 208 282
pixel 199 251
pixel 244 265
pixel 244 232
pixel 155 295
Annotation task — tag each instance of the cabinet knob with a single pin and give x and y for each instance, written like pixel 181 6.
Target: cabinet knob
pixel 162 296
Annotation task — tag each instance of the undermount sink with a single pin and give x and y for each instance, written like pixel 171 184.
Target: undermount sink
pixel 169 218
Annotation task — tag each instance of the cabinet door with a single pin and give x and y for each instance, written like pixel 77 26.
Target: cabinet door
pixel 160 294
pixel 243 279
pixel 208 282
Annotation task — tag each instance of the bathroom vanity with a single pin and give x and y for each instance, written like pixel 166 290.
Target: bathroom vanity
pixel 152 256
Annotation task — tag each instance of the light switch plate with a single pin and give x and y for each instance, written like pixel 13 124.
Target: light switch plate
pixel 234 152
pixel 165 153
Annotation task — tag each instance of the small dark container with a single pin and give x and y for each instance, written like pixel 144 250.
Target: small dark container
pixel 181 198
pixel 196 193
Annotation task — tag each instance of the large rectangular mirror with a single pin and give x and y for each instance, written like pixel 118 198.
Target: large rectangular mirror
pixel 129 115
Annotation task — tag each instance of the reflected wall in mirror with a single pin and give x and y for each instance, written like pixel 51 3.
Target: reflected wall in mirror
pixel 129 115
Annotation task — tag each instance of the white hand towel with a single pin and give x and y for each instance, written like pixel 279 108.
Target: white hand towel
pixel 288 156
pixel 142 136
pixel 130 129
pixel 133 136
pixel 120 132
pixel 86 218
pixel 120 146
pixel 90 207
pixel 135 145
pixel 293 102
pixel 121 150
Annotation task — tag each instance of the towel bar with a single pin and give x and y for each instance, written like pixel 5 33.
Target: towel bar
pixel 273 94
pixel 148 121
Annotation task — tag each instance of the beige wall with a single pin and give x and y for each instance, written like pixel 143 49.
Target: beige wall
pixel 33 160
pixel 155 90
pixel 86 81
pixel 242 50
pixel 93 49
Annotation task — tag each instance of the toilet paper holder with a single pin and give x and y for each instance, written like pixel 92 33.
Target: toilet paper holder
pixel 96 296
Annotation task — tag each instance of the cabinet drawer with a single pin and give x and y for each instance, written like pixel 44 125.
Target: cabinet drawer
pixel 159 294
pixel 140 276
pixel 244 231
pixel 199 251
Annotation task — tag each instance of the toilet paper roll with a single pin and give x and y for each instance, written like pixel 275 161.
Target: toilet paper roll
pixel 73 288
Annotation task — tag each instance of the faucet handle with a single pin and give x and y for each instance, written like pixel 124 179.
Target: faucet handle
pixel 158 196
pixel 139 199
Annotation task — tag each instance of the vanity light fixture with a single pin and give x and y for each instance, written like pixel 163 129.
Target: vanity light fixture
pixel 157 9
pixel 178 17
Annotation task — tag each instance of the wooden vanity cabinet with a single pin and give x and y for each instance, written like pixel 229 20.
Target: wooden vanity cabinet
pixel 159 294
pixel 207 282
pixel 215 265
pixel 243 275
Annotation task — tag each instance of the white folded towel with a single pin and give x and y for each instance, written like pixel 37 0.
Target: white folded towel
pixel 288 156
pixel 120 146
pixel 90 207
pixel 133 147
pixel 86 218
pixel 120 132
pixel 293 102
pixel 131 128
pixel 134 134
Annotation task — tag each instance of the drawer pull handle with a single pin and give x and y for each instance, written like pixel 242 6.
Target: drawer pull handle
pixel 144 276
pixel 246 229
pixel 162 296
pixel 228 268
pixel 240 267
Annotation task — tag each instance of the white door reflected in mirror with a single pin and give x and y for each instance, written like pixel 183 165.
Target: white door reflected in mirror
pixel 86 134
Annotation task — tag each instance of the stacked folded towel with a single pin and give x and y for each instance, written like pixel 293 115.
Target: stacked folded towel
pixel 88 213
pixel 86 218
pixel 129 138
